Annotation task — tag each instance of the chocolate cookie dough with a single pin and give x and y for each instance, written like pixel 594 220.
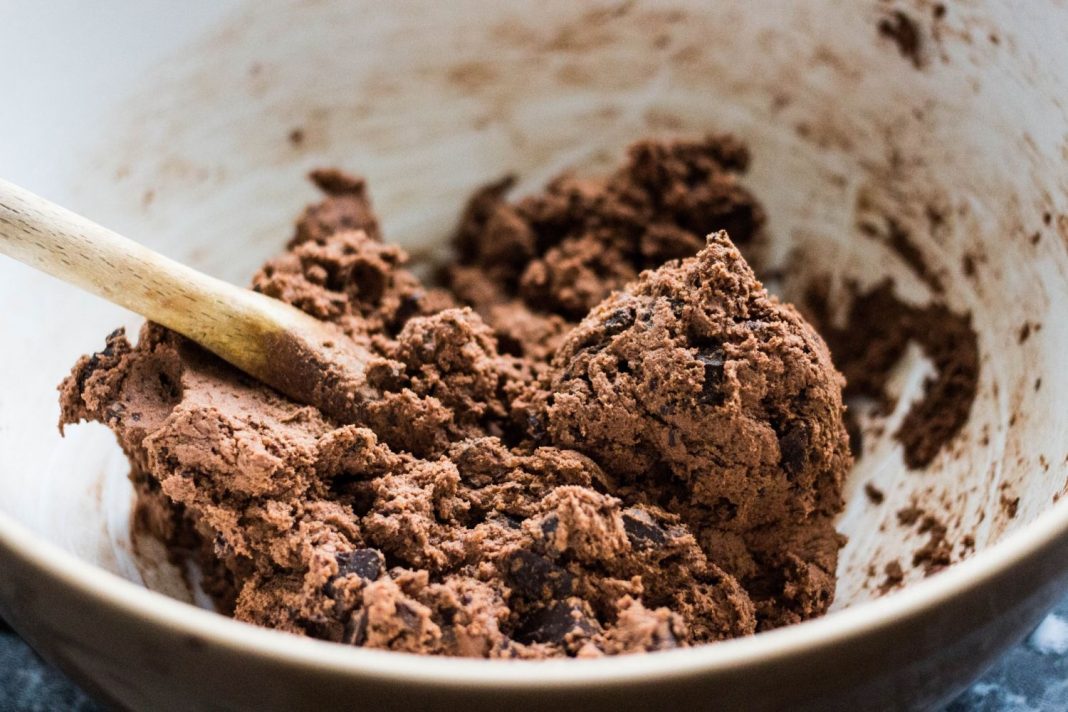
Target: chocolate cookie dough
pixel 603 436
pixel 534 268
pixel 877 329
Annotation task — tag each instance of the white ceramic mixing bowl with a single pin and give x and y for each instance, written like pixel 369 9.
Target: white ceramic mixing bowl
pixel 170 122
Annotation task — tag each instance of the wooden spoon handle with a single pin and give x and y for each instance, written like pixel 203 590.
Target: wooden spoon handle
pixel 266 338
pixel 215 314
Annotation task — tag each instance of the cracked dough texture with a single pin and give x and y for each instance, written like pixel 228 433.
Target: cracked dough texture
pixel 602 436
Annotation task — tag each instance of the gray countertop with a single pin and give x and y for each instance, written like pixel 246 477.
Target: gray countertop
pixel 1031 677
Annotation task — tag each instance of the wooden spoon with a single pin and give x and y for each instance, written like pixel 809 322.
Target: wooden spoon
pixel 306 359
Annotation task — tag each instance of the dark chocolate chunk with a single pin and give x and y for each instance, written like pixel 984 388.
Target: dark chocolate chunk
pixel 536 427
pixel 356 629
pixel 407 615
pixel 663 639
pixel 618 321
pixel 101 358
pixel 510 521
pixel 535 577
pixel 642 529
pixel 556 624
pixel 712 360
pixel 368 564
pixel 549 525
pixel 365 563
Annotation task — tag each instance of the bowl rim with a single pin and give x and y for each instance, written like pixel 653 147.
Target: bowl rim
pixel 128 598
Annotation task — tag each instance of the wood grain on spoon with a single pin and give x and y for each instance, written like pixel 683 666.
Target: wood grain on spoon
pixel 306 359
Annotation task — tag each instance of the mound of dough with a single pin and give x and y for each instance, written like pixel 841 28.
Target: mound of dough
pixel 570 455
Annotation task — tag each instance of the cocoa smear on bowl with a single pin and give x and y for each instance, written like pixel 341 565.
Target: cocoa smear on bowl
pixel 878 328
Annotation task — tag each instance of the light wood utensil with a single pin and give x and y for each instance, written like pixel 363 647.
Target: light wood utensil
pixel 306 359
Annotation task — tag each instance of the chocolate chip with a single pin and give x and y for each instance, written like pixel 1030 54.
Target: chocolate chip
pixel 618 321
pixel 642 529
pixel 365 563
pixel 663 639
pixel 509 521
pixel 356 629
pixel 536 427
pixel 793 447
pixel 549 525
pixel 555 623
pixel 535 577
pixel 98 358
pixel 712 360
pixel 221 546
pixel 407 615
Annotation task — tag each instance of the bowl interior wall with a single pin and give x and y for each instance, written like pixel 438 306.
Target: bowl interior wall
pixel 183 144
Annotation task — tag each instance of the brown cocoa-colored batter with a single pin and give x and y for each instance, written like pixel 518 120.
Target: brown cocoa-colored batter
pixel 570 455
pixel 878 328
